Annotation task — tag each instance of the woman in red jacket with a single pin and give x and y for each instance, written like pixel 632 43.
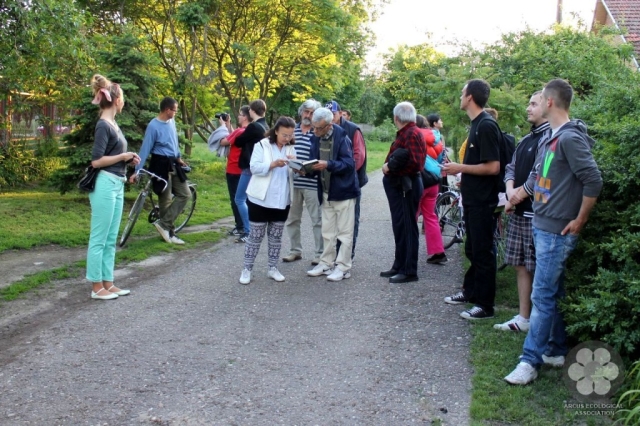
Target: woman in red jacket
pixel 432 234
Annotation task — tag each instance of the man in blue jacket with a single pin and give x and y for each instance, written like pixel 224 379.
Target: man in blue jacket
pixel 338 189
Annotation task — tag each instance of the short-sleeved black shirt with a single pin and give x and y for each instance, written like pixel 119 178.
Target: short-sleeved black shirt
pixel 481 148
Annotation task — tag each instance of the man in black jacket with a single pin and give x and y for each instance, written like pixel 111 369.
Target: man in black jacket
pixel 520 252
pixel 254 133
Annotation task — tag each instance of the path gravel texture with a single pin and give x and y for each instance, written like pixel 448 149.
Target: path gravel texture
pixel 191 346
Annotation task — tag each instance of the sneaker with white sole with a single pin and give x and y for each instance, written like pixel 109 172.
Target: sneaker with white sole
pixel 245 277
pixel 319 269
pixel 456 299
pixel 176 240
pixel 274 274
pixel 516 324
pixel 553 361
pixel 476 313
pixel 338 275
pixel 522 375
pixel 163 232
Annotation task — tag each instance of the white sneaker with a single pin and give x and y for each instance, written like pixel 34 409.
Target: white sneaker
pixel 338 275
pixel 319 269
pixel 274 274
pixel 176 240
pixel 516 323
pixel 245 277
pixel 163 232
pixel 554 361
pixel 522 375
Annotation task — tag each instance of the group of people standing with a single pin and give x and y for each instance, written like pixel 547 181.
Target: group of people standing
pixel 274 195
pixel 552 184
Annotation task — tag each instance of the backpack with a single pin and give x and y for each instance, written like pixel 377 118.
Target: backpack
pixel 441 155
pixel 507 146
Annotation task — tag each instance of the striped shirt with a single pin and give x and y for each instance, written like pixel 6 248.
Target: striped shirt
pixel 303 152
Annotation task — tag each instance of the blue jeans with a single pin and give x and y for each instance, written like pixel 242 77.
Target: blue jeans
pixel 547 335
pixel 241 199
pixel 106 211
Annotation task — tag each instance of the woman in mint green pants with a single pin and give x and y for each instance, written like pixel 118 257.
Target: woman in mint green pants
pixel 110 156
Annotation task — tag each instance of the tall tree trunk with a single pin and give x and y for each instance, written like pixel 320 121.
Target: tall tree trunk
pixel 559 12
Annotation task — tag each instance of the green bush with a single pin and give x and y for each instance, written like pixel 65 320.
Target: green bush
pixel 630 415
pixel 603 284
pixel 386 132
pixel 20 165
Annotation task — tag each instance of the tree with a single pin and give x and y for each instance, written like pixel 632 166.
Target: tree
pixel 131 68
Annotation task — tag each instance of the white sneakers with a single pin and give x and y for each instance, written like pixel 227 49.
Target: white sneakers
pixel 163 232
pixel 553 361
pixel 338 275
pixel 175 240
pixel 522 375
pixel 516 323
pixel 319 269
pixel 245 277
pixel 274 274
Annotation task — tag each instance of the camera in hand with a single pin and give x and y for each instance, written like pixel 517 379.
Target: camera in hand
pixel 223 115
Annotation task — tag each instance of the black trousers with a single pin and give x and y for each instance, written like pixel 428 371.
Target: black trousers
pixel 232 186
pixel 403 206
pixel 480 279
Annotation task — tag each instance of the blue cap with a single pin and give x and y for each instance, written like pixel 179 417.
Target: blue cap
pixel 332 106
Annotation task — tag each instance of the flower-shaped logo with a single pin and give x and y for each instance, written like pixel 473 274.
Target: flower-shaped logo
pixel 593 371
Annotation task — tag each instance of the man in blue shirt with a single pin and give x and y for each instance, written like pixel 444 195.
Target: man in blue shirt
pixel 161 141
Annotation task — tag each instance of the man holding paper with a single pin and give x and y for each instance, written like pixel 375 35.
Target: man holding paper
pixel 338 189
pixel 305 188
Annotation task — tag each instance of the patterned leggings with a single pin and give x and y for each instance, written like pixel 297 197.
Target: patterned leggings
pixel 256 235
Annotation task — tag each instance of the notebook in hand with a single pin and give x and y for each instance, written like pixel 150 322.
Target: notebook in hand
pixel 302 165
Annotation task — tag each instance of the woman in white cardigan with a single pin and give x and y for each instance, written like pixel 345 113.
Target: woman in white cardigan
pixel 269 196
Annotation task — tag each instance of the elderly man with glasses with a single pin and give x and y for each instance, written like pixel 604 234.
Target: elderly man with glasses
pixel 305 190
pixel 337 192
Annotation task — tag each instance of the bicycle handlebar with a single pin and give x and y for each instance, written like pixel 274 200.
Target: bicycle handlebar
pixel 155 176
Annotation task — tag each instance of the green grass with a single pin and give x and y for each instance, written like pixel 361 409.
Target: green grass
pixel 36 280
pixel 41 216
pixel 494 353
pixel 376 154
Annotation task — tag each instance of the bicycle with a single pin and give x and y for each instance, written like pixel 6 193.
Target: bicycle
pixel 449 212
pixel 154 213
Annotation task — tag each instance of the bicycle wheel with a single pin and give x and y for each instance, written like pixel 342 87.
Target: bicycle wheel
pixel 449 217
pixel 183 218
pixel 133 217
pixel 500 240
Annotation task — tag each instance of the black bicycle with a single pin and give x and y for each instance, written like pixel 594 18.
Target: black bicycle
pixel 146 181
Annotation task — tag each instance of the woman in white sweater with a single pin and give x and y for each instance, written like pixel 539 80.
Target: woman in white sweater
pixel 269 195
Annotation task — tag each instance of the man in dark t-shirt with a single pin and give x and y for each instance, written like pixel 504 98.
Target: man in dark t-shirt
pixel 479 187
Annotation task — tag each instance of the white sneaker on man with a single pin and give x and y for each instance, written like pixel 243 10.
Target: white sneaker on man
pixel 245 277
pixel 553 361
pixel 516 323
pixel 176 240
pixel 163 232
pixel 319 269
pixel 523 374
pixel 274 274
pixel 338 275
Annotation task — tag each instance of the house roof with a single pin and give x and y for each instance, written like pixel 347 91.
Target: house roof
pixel 626 14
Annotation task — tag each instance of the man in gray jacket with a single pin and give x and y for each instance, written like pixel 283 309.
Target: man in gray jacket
pixel 565 183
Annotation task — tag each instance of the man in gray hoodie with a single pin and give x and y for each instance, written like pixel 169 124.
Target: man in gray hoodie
pixel 565 183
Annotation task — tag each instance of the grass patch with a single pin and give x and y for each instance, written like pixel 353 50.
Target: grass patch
pixel 376 154
pixel 42 216
pixel 36 280
pixel 494 353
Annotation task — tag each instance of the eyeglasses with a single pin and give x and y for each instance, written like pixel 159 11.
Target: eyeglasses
pixel 321 128
pixel 286 136
pixel 174 110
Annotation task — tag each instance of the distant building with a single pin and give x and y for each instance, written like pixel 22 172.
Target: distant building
pixel 623 15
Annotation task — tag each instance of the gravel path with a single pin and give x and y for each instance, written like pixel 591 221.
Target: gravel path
pixel 191 346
